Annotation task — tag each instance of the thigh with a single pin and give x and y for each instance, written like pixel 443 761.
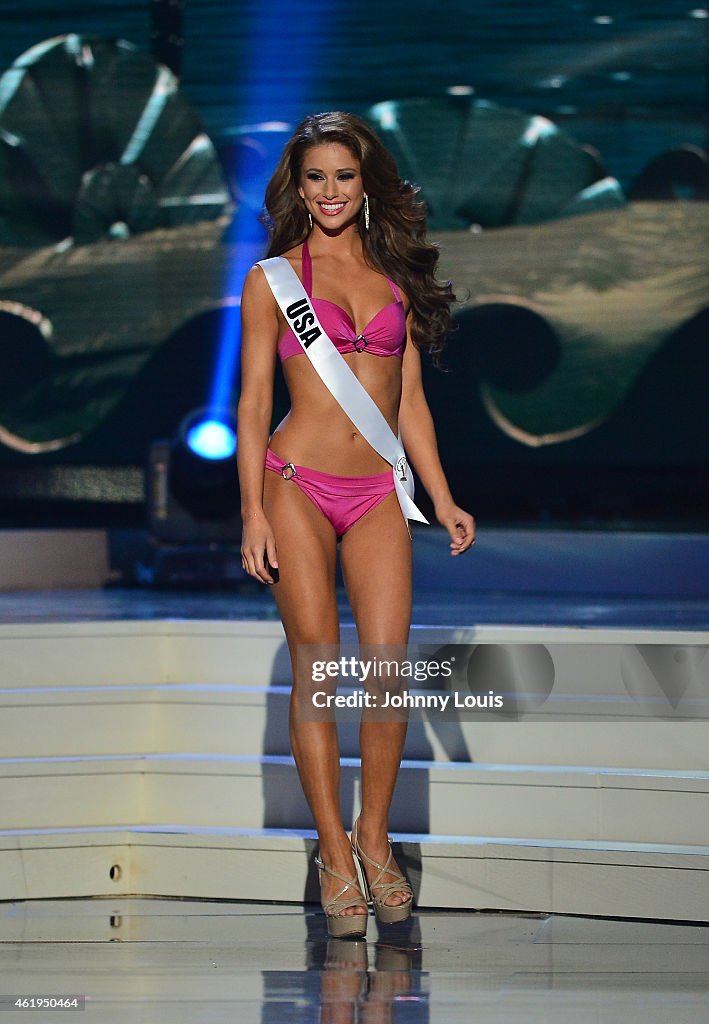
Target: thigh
pixel 376 566
pixel 306 547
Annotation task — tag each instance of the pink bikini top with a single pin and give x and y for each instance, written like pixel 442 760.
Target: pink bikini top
pixel 384 335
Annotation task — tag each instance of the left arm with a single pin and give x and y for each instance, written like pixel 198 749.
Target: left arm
pixel 419 438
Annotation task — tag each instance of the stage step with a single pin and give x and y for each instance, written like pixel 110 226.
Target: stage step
pixel 56 719
pixel 663 881
pixel 251 653
pixel 527 801
pixel 151 757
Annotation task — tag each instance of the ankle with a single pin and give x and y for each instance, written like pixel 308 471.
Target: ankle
pixel 335 850
pixel 372 830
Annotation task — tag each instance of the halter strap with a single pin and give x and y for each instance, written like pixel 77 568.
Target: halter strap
pixel 306 266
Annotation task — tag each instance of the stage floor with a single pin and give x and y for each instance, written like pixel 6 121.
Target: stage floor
pixel 430 608
pixel 594 579
pixel 183 960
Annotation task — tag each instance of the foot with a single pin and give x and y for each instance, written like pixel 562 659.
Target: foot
pixel 339 859
pixel 381 872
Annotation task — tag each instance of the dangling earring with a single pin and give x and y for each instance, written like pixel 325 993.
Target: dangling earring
pixel 310 219
pixel 366 212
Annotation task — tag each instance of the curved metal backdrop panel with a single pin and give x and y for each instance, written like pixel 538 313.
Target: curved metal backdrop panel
pixel 567 182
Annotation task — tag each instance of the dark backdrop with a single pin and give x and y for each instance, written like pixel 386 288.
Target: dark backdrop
pixel 629 79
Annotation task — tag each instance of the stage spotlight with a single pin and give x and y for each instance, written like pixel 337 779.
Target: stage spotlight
pixel 212 439
pixel 193 504
pixel 202 473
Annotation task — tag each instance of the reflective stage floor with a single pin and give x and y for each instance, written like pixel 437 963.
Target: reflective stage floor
pixel 155 960
pixel 587 579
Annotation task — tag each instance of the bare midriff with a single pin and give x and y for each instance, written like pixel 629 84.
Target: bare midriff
pixel 316 432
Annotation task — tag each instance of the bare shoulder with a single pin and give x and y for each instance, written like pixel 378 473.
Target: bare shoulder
pixel 255 284
pixel 258 305
pixel 257 289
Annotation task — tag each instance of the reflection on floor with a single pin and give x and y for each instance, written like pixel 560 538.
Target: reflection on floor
pixel 155 960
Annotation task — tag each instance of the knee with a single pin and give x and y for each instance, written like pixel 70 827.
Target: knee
pixel 312 635
pixel 309 647
pixel 319 642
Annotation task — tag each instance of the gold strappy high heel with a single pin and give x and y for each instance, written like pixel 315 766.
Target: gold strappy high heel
pixel 339 925
pixel 382 911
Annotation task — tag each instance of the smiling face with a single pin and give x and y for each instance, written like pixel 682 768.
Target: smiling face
pixel 331 185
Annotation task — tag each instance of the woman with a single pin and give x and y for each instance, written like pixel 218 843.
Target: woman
pixel 354 234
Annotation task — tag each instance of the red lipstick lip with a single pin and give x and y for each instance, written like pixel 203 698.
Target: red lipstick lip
pixel 333 213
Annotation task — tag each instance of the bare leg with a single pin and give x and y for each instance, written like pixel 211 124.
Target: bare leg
pixel 376 564
pixel 305 595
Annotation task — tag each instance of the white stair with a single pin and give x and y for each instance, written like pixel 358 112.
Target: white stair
pixel 663 881
pixel 151 757
pixel 248 792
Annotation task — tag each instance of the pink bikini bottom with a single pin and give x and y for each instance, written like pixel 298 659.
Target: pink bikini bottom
pixel 341 499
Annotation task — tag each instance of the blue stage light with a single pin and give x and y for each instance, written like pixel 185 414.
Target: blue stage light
pixel 212 439
pixel 202 465
pixel 193 502
pixel 269 86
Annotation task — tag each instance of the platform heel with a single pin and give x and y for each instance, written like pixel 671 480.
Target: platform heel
pixel 339 925
pixel 383 913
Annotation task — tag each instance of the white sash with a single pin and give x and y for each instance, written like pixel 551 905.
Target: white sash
pixel 354 399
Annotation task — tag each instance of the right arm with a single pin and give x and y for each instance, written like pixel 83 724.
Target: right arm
pixel 259 340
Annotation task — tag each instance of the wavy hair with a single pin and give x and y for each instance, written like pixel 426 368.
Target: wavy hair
pixel 395 244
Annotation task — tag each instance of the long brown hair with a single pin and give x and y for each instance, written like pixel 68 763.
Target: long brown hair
pixel 395 244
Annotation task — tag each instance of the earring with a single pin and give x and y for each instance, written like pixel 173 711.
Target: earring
pixel 310 218
pixel 366 212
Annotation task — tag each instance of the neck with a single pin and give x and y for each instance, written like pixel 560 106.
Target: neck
pixel 343 243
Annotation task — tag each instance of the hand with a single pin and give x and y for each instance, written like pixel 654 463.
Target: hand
pixel 460 526
pixel 258 548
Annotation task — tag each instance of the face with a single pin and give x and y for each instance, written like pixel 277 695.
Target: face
pixel 331 185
